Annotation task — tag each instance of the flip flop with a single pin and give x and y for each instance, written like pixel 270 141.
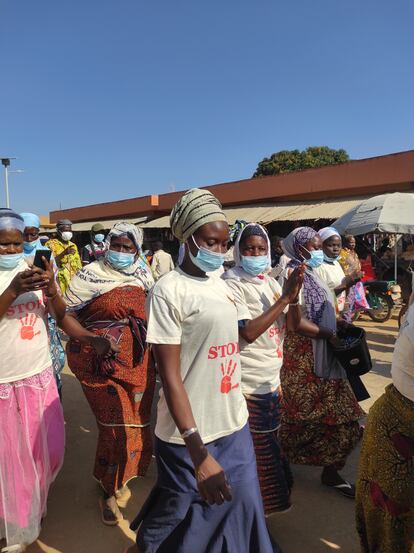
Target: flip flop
pixel 346 488
pixel 112 518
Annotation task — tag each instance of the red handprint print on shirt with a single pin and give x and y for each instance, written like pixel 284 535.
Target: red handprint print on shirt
pixel 27 331
pixel 227 372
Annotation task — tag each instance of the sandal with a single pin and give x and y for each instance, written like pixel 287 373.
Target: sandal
pixel 346 488
pixel 111 516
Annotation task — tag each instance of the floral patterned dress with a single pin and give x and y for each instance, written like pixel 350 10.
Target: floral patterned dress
pixel 120 396
pixel 385 487
pixel 320 416
pixel 69 265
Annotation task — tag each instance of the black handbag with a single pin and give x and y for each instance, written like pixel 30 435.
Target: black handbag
pixel 354 357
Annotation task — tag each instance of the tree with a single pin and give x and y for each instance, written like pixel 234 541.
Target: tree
pixel 287 161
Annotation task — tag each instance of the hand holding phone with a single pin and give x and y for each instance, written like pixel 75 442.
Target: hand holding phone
pixel 38 259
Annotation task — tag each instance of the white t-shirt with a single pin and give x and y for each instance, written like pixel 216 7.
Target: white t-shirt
pixel 199 314
pixel 402 370
pixel 333 275
pixel 24 342
pixel 263 359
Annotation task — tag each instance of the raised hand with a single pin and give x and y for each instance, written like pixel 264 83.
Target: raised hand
pixel 294 284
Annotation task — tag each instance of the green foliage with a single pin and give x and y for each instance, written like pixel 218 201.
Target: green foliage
pixel 287 161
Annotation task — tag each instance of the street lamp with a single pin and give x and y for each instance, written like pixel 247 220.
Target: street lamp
pixel 5 161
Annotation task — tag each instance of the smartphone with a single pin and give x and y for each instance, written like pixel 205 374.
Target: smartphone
pixel 38 261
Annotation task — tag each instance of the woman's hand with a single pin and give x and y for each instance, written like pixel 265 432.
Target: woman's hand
pixel 354 277
pixel 103 346
pixel 49 274
pixel 212 482
pixel 31 280
pixel 294 284
pixel 335 341
pixel 70 250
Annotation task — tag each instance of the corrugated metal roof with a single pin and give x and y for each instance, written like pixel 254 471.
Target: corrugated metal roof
pixel 287 211
pixel 108 223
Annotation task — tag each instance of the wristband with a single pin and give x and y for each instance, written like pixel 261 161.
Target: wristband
pixel 189 432
pixel 294 303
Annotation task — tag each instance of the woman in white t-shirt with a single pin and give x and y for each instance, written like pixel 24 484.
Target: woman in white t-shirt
pixel 385 486
pixel 31 418
pixel 207 497
pixel 261 309
pixel 331 271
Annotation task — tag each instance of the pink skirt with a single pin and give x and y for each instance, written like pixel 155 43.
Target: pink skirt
pixel 32 444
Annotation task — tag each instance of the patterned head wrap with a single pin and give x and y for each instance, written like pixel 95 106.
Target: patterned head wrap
pixel 30 220
pixel 195 209
pixel 9 220
pixel 292 243
pixel 132 232
pixel 314 293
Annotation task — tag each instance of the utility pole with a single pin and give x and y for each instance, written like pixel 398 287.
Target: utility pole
pixel 5 161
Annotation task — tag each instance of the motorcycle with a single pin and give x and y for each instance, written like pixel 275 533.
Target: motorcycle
pixel 381 296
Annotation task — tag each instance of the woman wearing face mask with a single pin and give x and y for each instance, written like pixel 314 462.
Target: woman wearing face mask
pixel 97 246
pixel 351 266
pixel 261 309
pixel 107 298
pixel 31 418
pixel 65 252
pixel 331 272
pixel 320 413
pixel 207 496
pixel 30 246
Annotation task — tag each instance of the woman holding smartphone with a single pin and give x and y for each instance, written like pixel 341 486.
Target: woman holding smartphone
pixel 31 418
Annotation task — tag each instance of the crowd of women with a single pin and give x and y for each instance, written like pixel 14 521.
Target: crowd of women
pixel 250 382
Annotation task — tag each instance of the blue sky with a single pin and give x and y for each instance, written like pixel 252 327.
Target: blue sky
pixel 110 99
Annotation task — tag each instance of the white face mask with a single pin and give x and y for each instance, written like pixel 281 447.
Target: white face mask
pixel 66 236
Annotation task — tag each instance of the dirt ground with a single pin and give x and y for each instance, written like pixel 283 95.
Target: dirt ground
pixel 321 521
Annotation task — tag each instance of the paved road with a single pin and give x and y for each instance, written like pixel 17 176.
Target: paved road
pixel 321 521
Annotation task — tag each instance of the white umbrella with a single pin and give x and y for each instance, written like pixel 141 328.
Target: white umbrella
pixel 391 213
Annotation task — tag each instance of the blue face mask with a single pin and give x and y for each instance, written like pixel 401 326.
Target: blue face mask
pixel 99 238
pixel 254 264
pixel 330 259
pixel 120 260
pixel 28 247
pixel 206 260
pixel 10 261
pixel 315 260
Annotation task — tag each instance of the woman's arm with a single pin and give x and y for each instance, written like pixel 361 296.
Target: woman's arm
pixel 6 299
pixel 211 480
pixel 256 327
pixel 56 304
pixel 307 328
pixel 348 282
pixel 72 327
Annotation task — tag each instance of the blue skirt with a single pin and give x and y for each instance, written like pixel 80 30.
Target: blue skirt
pixel 175 518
